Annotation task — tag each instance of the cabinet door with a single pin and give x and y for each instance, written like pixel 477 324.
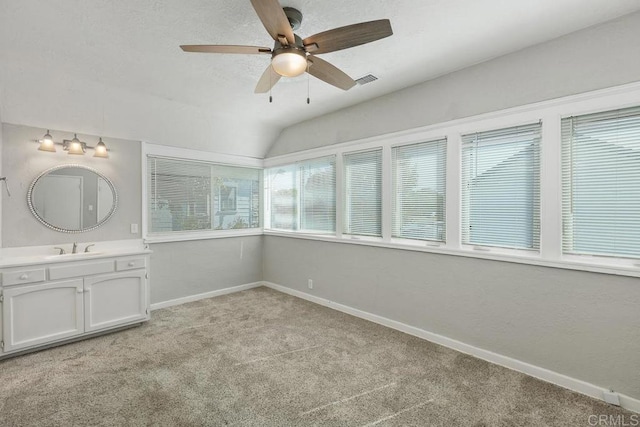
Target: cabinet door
pixel 114 299
pixel 38 314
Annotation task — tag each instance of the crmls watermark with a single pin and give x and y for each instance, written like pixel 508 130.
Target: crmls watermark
pixel 615 420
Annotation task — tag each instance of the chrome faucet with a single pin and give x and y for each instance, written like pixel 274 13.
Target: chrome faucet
pixel 75 248
pixel 88 246
pixel 62 252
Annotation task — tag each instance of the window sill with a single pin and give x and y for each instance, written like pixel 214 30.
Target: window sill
pixel 616 266
pixel 184 236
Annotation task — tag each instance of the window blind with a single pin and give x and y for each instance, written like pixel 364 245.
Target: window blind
pixel 601 183
pixel 419 174
pixel 501 187
pixel 363 193
pixel 318 195
pixel 185 195
pixel 283 192
pixel 303 196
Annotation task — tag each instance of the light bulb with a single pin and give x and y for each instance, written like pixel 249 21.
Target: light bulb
pixel 291 63
pixel 46 144
pixel 101 150
pixel 75 146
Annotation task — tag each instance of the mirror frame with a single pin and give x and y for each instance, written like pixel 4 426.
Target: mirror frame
pixel 64 230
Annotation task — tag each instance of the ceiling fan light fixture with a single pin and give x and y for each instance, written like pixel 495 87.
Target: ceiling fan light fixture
pixel 290 63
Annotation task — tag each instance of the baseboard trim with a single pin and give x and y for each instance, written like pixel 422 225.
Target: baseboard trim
pixel 217 293
pixel 547 375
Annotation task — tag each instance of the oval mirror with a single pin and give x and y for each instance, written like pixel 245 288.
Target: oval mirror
pixel 72 198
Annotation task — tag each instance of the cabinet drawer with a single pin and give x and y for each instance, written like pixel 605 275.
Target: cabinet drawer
pixel 23 276
pixel 129 264
pixel 77 270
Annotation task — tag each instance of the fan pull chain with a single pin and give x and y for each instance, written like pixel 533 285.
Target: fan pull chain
pixel 270 86
pixel 308 78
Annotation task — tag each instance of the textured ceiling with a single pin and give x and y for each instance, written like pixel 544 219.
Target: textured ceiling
pixel 133 45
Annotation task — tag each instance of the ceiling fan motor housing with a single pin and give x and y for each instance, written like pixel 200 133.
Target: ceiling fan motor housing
pixel 294 16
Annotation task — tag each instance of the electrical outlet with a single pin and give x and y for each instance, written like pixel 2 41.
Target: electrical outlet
pixel 134 228
pixel 310 284
pixel 612 397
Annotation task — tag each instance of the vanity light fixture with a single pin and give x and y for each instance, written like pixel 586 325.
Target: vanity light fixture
pixel 73 146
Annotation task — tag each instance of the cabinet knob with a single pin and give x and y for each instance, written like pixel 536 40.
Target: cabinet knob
pixel 131 264
pixel 24 277
pixel 79 290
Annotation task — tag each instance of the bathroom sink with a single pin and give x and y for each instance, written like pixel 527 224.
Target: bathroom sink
pixel 79 255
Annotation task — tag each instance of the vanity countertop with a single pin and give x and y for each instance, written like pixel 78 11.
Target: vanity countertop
pixel 34 255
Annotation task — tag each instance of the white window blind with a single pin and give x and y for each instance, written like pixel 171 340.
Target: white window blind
pixel 185 195
pixel 419 173
pixel 283 197
pixel 318 195
pixel 303 196
pixel 601 183
pixel 363 193
pixel 501 187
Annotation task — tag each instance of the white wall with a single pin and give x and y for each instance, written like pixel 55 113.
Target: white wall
pixel 36 95
pixel 595 58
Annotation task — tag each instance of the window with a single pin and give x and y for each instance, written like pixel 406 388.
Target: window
pixel 601 183
pixel 303 196
pixel 283 192
pixel 363 193
pixel 318 195
pixel 185 195
pixel 419 189
pixel 501 187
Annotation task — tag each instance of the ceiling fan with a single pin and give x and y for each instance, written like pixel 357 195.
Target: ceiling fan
pixel 291 56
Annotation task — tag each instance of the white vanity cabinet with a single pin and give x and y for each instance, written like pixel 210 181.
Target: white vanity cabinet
pixel 38 314
pixel 114 299
pixel 52 303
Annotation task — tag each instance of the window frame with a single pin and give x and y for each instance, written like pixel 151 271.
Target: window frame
pixel 550 113
pixel 267 207
pixel 466 216
pixel 345 193
pixel 568 180
pixel 212 159
pixel 394 174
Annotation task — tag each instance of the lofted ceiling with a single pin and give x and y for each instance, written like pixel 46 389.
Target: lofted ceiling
pixel 132 45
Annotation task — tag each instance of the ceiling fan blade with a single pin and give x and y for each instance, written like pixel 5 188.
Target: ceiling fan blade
pixel 349 36
pixel 268 80
pixel 328 73
pixel 217 48
pixel 274 20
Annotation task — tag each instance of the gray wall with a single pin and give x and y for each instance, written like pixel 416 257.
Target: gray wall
pixel 580 324
pixel 1 156
pixel 594 58
pixel 181 269
pixel 22 163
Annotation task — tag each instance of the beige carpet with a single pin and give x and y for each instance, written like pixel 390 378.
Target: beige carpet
pixel 263 358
